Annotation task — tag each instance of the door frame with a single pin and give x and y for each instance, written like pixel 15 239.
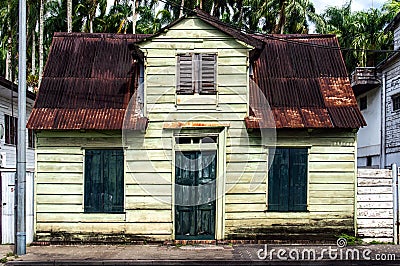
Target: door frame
pixel 220 147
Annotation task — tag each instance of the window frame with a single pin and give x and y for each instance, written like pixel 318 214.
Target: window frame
pixel 86 207
pixel 10 129
pixel 197 71
pixel 364 103
pixel 306 177
pixel 31 139
pixel 396 102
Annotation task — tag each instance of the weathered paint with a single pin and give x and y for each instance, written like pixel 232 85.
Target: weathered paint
pixel 330 195
pixel 375 205
pixel 7 186
pixel 241 207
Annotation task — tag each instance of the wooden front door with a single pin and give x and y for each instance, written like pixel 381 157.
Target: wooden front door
pixel 195 195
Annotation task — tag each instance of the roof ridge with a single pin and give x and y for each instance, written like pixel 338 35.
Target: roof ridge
pixel 101 35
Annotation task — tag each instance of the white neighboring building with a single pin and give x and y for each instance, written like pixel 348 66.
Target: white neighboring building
pixel 8 121
pixel 8 153
pixel 378 95
pixel 366 86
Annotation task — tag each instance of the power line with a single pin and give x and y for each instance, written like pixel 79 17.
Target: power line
pixel 276 38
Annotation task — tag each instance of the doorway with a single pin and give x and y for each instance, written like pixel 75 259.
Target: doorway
pixel 195 194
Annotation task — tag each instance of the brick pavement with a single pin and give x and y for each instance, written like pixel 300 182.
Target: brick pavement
pixel 114 253
pixel 203 254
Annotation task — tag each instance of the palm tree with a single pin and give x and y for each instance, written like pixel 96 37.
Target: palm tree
pixel 8 30
pixel 361 31
pixel 287 16
pixel 392 7
pixel 90 12
pixel 369 35
pixel 150 23
pixel 299 12
pixel 117 20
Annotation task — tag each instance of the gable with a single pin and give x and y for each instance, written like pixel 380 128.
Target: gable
pixel 193 32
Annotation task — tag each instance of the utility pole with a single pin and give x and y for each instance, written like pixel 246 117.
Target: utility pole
pixel 20 233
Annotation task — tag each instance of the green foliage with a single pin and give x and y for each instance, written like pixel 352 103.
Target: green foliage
pixel 374 242
pixel 150 23
pixel 32 80
pixel 362 30
pixel 351 240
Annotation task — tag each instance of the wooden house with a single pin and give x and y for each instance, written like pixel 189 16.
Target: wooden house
pixel 199 132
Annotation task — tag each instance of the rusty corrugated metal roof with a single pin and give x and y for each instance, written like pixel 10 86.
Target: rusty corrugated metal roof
pixel 87 83
pixel 305 84
pixel 91 77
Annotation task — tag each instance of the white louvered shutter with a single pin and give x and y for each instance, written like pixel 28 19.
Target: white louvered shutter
pixel 207 74
pixel 185 74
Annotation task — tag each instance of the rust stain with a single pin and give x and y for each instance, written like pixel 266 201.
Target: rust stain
pixel 87 83
pixel 305 86
pixel 173 125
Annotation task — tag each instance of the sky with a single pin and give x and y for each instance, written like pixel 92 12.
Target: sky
pixel 357 5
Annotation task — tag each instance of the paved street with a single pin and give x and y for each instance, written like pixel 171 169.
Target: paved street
pixel 205 255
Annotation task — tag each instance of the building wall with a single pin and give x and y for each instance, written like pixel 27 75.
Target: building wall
pixel 392 117
pixel 369 137
pixel 149 188
pixel 396 37
pixel 331 183
pixel 223 113
pixel 59 185
pixel 6 107
pixel 150 155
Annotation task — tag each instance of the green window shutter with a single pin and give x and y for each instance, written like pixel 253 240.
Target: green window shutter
pixel 185 74
pixel 287 180
pixel 207 74
pixel 113 176
pixel 93 181
pixel 104 180
pixel 278 181
pixel 298 180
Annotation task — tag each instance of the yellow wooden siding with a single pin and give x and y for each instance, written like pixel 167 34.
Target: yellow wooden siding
pixel 331 182
pixel 60 187
pixel 149 156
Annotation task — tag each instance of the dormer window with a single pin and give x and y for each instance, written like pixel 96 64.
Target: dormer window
pixel 196 73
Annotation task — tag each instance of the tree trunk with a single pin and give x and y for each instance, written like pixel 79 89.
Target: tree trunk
pixel 135 6
pixel 201 4
pixel 90 24
pixel 8 58
pixel 69 15
pixel 181 8
pixel 9 49
pixel 280 26
pixel 33 69
pixel 215 10
pixel 41 33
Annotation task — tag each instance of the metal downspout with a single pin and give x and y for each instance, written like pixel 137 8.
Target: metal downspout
pixel 383 123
